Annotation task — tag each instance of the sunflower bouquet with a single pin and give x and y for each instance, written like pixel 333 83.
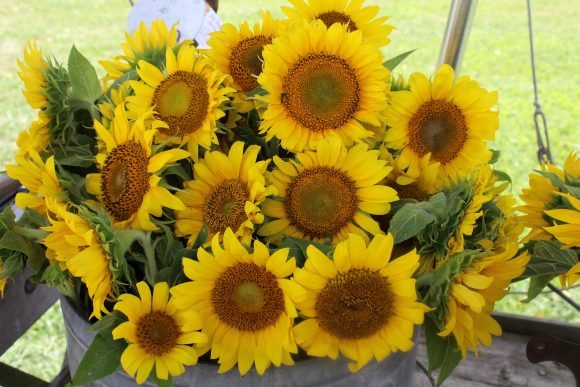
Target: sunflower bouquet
pixel 551 211
pixel 276 196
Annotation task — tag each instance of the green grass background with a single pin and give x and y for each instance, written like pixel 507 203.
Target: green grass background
pixel 497 56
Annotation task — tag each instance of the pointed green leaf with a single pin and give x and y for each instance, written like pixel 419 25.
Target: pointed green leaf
pixel 394 62
pixel 537 284
pixel 83 78
pixel 410 221
pixel 106 324
pixel 101 359
pixel 201 237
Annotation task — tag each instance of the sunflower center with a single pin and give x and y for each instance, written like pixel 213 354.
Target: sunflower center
pixel 225 206
pixel 321 201
pixel 321 92
pixel 410 191
pixel 329 18
pixel 355 305
pixel 157 333
pixel 125 180
pixel 246 61
pixel 247 297
pixel 438 127
pixel 182 101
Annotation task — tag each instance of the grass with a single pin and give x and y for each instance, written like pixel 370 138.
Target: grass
pixel 497 56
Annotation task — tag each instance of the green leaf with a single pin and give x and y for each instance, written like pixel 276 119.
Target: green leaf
pixel 298 247
pixel 32 218
pixel 442 352
pixel 494 156
pixel 537 284
pixel 502 176
pixel 16 242
pixel 201 237
pixel 549 258
pixel 13 264
pixel 435 351
pixel 451 360
pixel 161 382
pixel 101 359
pixel 125 239
pixel 256 91
pixel 106 324
pixel 410 221
pixel 394 62
pixel 83 77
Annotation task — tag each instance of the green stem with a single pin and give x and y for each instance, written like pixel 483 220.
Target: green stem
pixel 151 269
pixel 31 233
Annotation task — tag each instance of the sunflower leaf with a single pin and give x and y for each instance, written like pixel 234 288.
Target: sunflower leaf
pixel 201 237
pixel 101 359
pixel 83 77
pixel 106 324
pixel 442 352
pixel 410 221
pixel 394 62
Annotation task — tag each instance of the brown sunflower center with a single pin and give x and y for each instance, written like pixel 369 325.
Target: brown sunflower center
pixel 321 201
pixel 355 305
pixel 125 180
pixel 410 191
pixel 247 297
pixel 321 92
pixel 182 101
pixel 438 127
pixel 225 206
pixel 329 18
pixel 246 61
pixel 157 333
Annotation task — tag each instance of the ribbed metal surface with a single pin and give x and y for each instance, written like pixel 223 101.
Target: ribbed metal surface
pixel 396 371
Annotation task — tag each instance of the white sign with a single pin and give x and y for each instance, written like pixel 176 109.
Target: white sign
pixel 196 19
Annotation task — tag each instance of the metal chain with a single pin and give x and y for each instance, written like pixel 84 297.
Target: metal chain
pixel 544 153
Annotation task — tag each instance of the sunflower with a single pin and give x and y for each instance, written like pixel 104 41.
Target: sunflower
pixel 117 96
pixel 479 183
pixel 187 97
pixel 243 301
pixel 128 184
pixel 37 138
pixel 472 296
pixel 75 245
pixel 572 168
pixel 158 333
pixel 567 230
pixel 328 193
pixel 538 197
pixel 238 52
pixel 147 44
pixel 449 120
pixel 2 281
pixel 39 178
pixel 423 183
pixel 359 303
pixel 349 13
pixel 570 278
pixel 226 192
pixel 509 228
pixel 33 74
pixel 322 82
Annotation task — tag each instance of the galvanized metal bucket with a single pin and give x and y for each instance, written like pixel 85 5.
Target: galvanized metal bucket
pixel 396 371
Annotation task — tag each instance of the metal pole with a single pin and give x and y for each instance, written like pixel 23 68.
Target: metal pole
pixel 456 33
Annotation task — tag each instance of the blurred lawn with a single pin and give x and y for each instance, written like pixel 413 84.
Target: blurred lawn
pixel 497 56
